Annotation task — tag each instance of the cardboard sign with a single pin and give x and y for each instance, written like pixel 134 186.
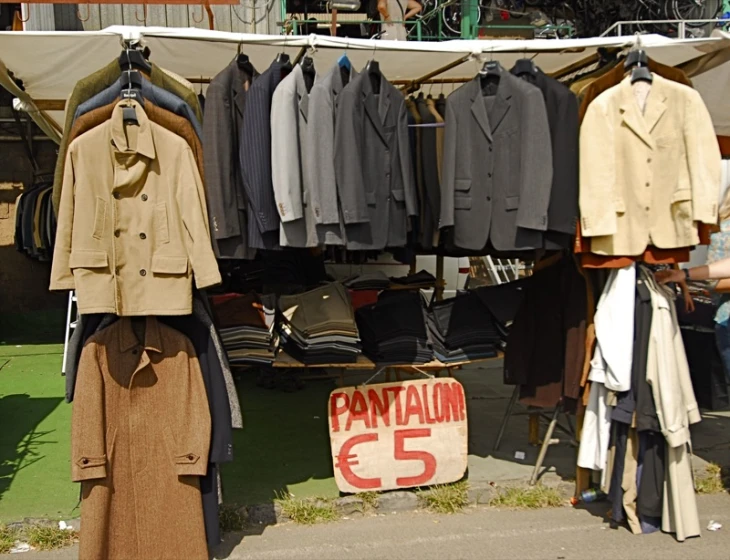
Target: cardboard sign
pixel 398 435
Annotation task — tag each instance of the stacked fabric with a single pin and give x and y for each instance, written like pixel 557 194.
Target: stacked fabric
pixel 246 325
pixel 503 302
pixel 394 330
pixel 462 329
pixel 318 326
pixel 376 280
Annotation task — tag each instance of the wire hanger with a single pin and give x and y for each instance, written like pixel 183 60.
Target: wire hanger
pixel 525 65
pixel 638 61
pixel 242 60
pixel 282 57
pixel 129 113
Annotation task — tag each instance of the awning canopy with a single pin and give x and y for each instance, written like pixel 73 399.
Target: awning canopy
pixel 50 63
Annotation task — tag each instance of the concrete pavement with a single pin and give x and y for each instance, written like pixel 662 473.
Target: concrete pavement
pixel 479 533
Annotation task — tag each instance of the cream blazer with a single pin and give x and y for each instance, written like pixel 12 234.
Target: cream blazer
pixel 646 178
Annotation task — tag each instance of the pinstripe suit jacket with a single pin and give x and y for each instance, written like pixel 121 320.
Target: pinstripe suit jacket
pixel 224 107
pixel 373 165
pixel 263 217
pixel 497 168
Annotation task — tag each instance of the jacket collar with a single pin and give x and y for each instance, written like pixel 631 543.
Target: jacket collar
pixel 643 124
pixel 502 104
pixel 302 93
pixel 145 143
pixel 152 338
pixel 240 81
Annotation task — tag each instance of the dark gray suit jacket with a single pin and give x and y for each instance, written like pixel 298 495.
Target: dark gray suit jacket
pixel 263 217
pixel 497 168
pixel 373 165
pixel 562 112
pixel 224 107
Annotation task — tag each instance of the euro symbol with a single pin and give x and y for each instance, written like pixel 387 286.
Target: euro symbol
pixel 346 460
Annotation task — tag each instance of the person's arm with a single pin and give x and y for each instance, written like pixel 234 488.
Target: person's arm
pixel 713 271
pixel 689 304
pixel 383 10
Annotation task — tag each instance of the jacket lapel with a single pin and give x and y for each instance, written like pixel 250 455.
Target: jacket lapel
pixel 371 106
pixel 655 106
pixel 502 103
pixel 239 81
pixel 631 114
pixel 302 92
pixel 479 110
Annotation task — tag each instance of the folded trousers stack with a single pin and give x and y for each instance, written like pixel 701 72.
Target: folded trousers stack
pixel 462 329
pixel 503 301
pixel 394 330
pixel 318 326
pixel 247 327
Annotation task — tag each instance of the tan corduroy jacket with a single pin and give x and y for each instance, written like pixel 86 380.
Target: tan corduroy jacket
pixel 140 436
pixel 132 229
pixel 645 179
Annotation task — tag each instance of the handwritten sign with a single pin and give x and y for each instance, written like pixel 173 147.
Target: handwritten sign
pixel 398 435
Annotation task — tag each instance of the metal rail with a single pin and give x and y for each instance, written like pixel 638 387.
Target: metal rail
pixel 681 25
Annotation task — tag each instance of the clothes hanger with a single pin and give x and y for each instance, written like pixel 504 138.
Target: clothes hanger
pixel 525 66
pixel 131 86
pixel 242 61
pixel 373 70
pixel 134 59
pixel 638 62
pixel 344 61
pixel 283 58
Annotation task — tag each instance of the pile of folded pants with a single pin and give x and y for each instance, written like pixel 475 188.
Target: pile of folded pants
pixel 393 329
pixel 318 326
pixel 246 325
pixel 422 279
pixel 376 280
pixel 502 301
pixel 462 329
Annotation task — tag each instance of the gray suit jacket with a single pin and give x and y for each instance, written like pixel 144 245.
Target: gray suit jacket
pixel 497 167
pixel 323 100
pixel 373 165
pixel 224 106
pixel 291 160
pixel 158 96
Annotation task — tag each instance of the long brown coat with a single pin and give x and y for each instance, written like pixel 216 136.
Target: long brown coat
pixel 140 437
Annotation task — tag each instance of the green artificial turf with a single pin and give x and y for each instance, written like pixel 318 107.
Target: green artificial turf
pixel 284 446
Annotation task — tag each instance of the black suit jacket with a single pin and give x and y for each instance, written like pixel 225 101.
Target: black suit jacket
pixel 263 217
pixel 224 107
pixel 562 111
pixel 432 186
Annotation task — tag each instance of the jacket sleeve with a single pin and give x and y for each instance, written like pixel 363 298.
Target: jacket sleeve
pixel 191 208
pixel 703 159
pixel 348 158
pixel 686 390
pixel 536 165
pixel 191 422
pixel 321 140
pixel 406 163
pixel 90 436
pixel 71 104
pixel 564 194
pixel 285 159
pixel 61 273
pixel 218 146
pixel 448 165
pixel 597 176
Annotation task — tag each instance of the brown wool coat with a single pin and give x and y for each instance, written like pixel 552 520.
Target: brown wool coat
pixel 140 436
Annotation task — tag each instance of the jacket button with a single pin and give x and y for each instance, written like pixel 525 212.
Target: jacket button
pixel 84 461
pixel 143 272
pixel 489 198
pixel 116 233
pixel 142 236
pixel 647 208
pixel 489 174
pixel 647 183
pixel 490 148
pixel 144 198
pixel 117 195
pixel 648 160
pixel 134 352
pixel 116 271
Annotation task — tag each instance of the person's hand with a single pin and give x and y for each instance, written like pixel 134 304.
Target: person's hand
pixel 671 275
pixel 689 303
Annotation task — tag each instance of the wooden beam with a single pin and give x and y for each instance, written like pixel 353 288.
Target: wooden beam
pixel 50 104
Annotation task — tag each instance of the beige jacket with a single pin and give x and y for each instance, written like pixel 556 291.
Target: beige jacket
pixel 140 436
pixel 131 228
pixel 667 370
pixel 645 179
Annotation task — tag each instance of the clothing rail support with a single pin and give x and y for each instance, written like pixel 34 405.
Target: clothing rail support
pixel 507 414
pixel 546 443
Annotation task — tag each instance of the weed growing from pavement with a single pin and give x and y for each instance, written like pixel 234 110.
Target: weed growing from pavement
pixel 42 537
pixel 530 497
pixel 711 482
pixel 369 500
pixel 7 539
pixel 309 511
pixel 445 498
pixel 231 519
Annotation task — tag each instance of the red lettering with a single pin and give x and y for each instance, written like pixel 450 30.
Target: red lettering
pixel 378 408
pixel 461 398
pixel 336 410
pixel 396 400
pixel 429 418
pixel 428 460
pixel 437 408
pixel 413 405
pixel 358 411
pixel 346 460
pixel 450 403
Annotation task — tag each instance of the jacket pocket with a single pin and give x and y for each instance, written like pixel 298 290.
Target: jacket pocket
pixel 161 226
pixel 399 195
pixel 99 218
pixel 462 202
pixel 87 259
pixel 370 198
pixel 682 207
pixel 511 202
pixel 682 195
pixel 462 184
pixel 169 265
pixel 619 205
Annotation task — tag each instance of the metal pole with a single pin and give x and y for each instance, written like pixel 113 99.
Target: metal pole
pixel 682 29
